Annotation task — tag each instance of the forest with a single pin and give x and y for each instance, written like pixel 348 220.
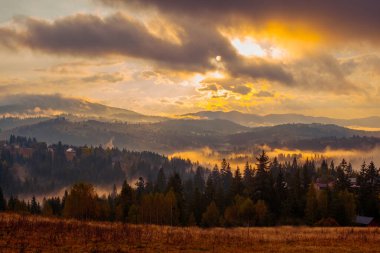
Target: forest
pixel 264 193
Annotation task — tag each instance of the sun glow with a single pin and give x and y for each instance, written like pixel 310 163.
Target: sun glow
pixel 217 75
pixel 248 47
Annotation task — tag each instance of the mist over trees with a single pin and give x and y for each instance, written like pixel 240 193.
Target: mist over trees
pixel 180 194
pixel 31 167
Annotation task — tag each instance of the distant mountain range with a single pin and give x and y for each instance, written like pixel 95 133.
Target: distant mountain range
pixel 78 122
pixel 75 109
pixel 50 106
pixel 254 120
pixel 186 134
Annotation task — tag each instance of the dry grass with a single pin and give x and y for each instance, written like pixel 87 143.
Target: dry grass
pixel 38 234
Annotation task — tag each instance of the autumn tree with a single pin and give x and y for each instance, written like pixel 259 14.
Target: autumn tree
pixel 262 213
pixel 80 202
pixel 311 210
pixel 247 211
pixel 210 218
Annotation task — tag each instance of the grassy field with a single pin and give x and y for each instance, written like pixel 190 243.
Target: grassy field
pixel 39 234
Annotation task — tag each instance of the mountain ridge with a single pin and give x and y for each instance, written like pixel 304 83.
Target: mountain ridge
pixel 254 120
pixel 186 134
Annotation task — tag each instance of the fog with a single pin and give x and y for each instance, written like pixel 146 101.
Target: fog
pixel 209 157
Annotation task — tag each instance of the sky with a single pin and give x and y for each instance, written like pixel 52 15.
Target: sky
pixel 315 57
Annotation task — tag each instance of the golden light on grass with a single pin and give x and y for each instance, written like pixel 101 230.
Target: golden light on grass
pixel 38 234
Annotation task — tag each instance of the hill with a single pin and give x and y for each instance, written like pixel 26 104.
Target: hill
pixel 160 137
pixel 254 120
pixel 75 109
pixel 314 136
pixel 184 134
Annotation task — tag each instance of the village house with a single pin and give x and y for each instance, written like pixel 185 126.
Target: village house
pixel 366 221
pixel 323 184
pixel 70 154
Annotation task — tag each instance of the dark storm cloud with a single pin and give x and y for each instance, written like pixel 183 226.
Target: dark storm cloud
pixel 260 68
pixel 350 18
pixel 90 35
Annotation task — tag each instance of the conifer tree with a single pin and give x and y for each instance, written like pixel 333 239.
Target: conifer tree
pixel 3 202
pixel 160 184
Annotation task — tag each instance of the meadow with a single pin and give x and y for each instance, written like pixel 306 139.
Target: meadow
pixel 40 234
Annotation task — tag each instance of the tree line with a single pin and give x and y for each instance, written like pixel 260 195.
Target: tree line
pixel 48 169
pixel 262 194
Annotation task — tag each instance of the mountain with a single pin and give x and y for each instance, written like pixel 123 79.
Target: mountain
pixel 27 106
pixel 187 134
pixel 163 136
pixel 7 123
pixel 305 136
pixel 254 120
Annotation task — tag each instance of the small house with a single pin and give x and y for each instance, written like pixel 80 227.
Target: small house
pixel 70 154
pixel 366 221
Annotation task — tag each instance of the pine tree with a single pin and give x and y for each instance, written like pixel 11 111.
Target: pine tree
pixel 237 184
pixel 262 182
pixel 34 206
pixel 342 181
pixel 332 168
pixel 124 201
pixel 160 185
pixel 175 185
pixel 280 192
pixel 199 181
pixel 209 194
pixel 196 205
pixel 3 202
pixel 368 190
pixel 140 188
pixel 248 181
pixel 226 176
pixel 324 168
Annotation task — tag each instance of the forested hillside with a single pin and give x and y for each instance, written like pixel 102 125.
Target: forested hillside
pixel 178 192
pixel 186 134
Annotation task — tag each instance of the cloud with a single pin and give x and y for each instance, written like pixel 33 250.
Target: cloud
pixel 8 38
pixel 260 68
pixel 364 63
pixel 264 94
pixel 90 35
pixel 235 85
pixel 342 18
pixel 104 77
pixel 322 72
pixel 209 87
